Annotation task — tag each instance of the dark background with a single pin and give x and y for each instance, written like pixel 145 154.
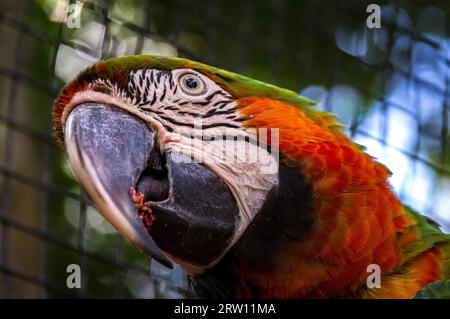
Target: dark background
pixel 390 86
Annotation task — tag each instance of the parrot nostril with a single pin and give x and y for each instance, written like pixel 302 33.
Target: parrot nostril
pixel 154 181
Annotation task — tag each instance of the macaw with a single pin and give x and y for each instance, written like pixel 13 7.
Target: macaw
pixel 297 210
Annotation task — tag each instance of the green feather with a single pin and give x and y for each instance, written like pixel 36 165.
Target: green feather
pixel 435 290
pixel 429 234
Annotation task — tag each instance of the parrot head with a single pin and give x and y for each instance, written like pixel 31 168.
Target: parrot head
pixel 175 133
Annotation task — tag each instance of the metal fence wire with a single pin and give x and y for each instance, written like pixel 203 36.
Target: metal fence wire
pixel 389 85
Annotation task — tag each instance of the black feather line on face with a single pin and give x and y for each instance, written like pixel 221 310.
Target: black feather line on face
pixel 153 99
pixel 220 125
pixel 209 97
pixel 211 112
pixel 164 93
pixel 158 77
pixel 152 78
pixel 207 115
pixel 241 119
pixel 204 103
pixel 170 107
pixel 221 104
pixel 171 83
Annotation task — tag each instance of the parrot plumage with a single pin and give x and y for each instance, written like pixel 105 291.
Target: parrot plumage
pixel 310 230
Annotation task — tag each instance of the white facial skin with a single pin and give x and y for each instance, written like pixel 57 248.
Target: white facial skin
pixel 192 115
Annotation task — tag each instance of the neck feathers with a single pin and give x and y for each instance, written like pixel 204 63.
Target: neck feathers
pixel 356 219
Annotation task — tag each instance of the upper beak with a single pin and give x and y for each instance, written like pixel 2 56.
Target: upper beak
pixel 111 150
pixel 107 150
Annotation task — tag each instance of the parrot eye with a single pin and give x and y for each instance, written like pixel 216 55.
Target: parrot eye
pixel 192 84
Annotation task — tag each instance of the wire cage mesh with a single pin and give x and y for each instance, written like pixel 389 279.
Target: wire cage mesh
pixel 389 85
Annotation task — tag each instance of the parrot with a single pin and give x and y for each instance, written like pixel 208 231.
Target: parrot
pixel 247 187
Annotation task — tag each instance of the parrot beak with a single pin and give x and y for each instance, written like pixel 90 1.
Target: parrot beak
pixel 194 214
pixel 107 150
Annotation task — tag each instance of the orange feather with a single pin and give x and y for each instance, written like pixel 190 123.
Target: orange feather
pixel 359 221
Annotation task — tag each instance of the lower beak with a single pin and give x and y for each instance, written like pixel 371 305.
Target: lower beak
pixel 111 151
